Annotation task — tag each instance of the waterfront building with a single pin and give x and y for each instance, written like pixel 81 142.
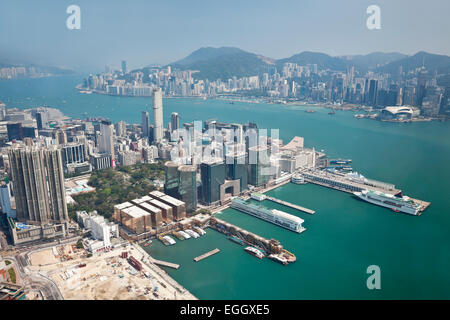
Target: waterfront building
pixel 178 206
pixel 171 178
pixel 216 187
pixel 181 183
pixel 187 186
pixel 258 166
pixel 237 169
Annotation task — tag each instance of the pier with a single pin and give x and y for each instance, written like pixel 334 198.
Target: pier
pixel 291 205
pixel 339 182
pixel 163 263
pixel 271 246
pixel 206 255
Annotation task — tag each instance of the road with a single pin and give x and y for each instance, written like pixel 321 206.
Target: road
pixel 37 280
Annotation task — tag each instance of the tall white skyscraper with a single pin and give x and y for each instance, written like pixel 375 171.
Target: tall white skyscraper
pixel 157 115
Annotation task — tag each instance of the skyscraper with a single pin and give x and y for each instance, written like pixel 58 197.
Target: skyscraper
pixel 124 66
pixel 175 121
pixel 187 187
pixel 373 92
pixel 38 180
pixel 145 122
pixel 106 138
pixel 157 115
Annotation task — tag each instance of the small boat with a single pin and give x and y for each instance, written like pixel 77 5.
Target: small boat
pixel 310 111
pixel 331 112
pixel 149 242
pixel 255 252
pixel 236 239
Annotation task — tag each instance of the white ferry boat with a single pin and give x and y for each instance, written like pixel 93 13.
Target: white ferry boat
pixel 274 216
pixel 278 259
pixel 184 234
pixel 199 230
pixel 398 204
pixel 298 179
pixel 169 240
pixel 193 234
pixel 255 252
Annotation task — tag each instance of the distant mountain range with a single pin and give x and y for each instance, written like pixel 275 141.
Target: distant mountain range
pixel 226 62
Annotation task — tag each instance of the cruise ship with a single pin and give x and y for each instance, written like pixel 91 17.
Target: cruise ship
pixel 398 204
pixel 254 252
pixel 274 216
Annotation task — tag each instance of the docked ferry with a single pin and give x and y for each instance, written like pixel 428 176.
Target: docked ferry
pixel 199 230
pixel 278 258
pixel 193 234
pixel 184 234
pixel 169 240
pixel 398 204
pixel 255 252
pixel 274 216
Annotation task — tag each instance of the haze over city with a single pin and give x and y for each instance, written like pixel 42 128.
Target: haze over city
pixel 161 32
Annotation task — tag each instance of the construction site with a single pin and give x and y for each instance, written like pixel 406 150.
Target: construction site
pixel 123 273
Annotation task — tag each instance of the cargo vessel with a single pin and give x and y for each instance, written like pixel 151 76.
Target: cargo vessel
pixel 398 204
pixel 274 216
pixel 255 252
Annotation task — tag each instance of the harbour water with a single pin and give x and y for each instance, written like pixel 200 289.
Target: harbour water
pixel 343 238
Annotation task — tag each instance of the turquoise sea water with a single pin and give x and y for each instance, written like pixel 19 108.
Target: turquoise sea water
pixel 345 235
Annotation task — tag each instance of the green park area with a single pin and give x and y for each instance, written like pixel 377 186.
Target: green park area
pixel 114 186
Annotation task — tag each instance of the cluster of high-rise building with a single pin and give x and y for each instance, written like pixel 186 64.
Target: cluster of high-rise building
pixel 14 72
pixel 293 82
pixel 205 163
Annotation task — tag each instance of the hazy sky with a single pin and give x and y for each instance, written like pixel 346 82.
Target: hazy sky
pixel 162 31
